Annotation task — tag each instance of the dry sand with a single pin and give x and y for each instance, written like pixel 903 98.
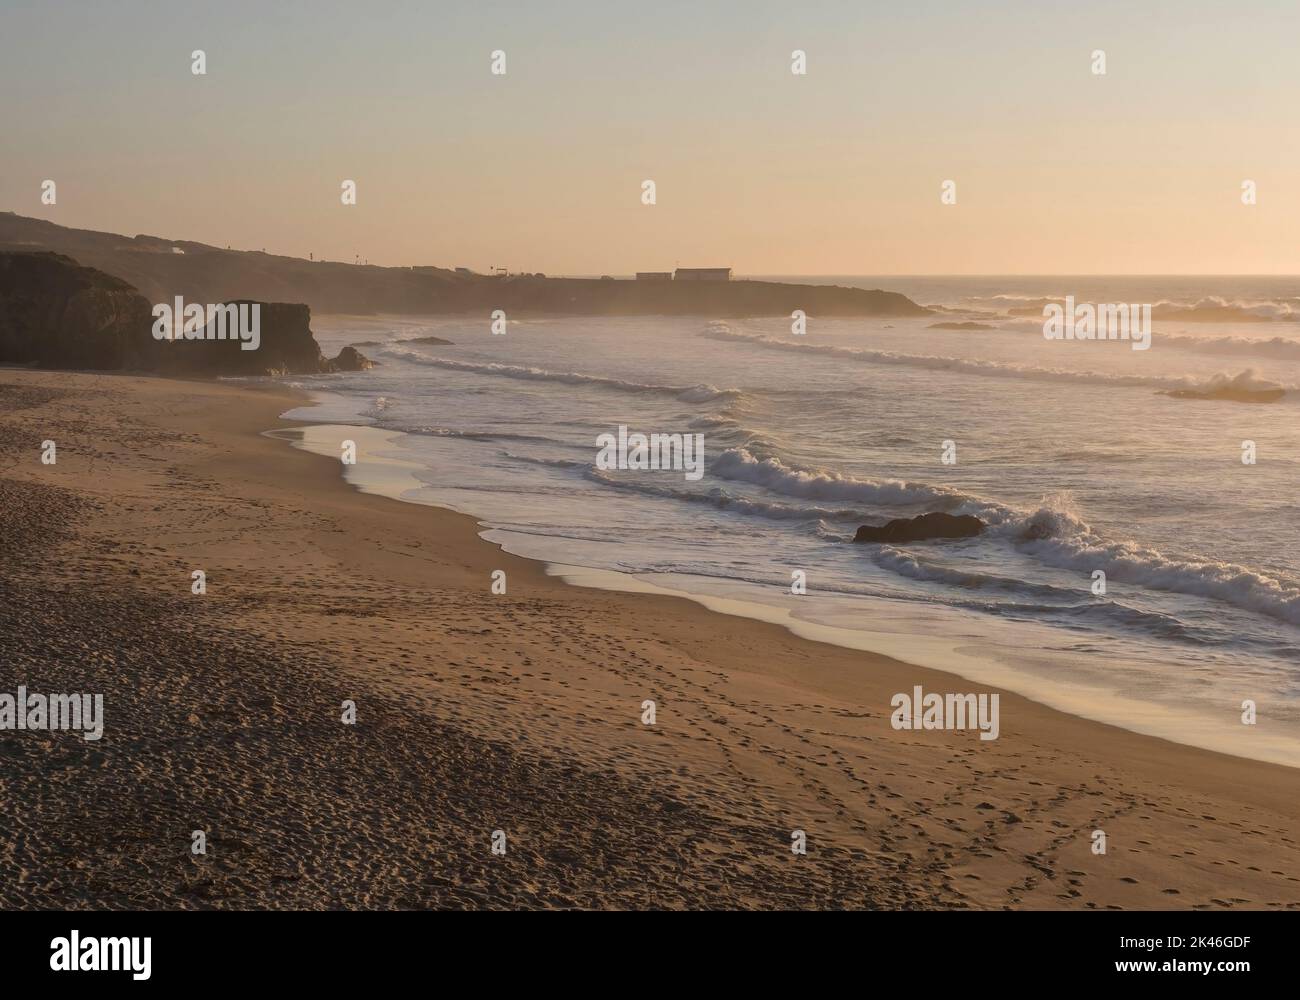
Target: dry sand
pixel 479 712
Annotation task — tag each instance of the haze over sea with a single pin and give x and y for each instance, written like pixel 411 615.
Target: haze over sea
pixel 1071 451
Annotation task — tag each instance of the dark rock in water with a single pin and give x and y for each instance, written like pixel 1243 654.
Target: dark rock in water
pixel 55 313
pixel 918 529
pixel 350 360
pixel 285 347
pixel 427 340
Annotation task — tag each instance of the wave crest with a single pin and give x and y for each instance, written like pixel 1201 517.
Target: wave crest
pixel 971 366
pixel 686 393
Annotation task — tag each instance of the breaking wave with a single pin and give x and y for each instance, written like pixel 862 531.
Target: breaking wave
pixel 741 464
pixel 970 366
pixel 1282 348
pixel 1058 538
pixel 1052 534
pixel 716 497
pixel 1209 309
pixel 1243 386
pixel 723 500
pixel 685 393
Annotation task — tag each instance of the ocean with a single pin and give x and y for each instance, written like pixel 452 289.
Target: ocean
pixel 1073 452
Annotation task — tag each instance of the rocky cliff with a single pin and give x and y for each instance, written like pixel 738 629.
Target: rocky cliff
pixel 56 313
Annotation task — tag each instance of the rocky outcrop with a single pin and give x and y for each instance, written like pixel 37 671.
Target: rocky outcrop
pixel 918 529
pixel 285 346
pixel 55 313
pixel 350 360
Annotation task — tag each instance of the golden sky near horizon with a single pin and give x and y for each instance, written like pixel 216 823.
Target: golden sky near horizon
pixel 1057 169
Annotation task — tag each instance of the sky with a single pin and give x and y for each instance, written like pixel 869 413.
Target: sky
pixel 1057 170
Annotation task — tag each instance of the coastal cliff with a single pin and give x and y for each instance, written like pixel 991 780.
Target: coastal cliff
pixel 54 313
pixel 57 313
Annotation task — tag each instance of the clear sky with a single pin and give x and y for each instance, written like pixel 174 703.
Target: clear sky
pixel 839 171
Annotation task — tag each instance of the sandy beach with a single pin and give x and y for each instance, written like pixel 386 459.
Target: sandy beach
pixel 519 712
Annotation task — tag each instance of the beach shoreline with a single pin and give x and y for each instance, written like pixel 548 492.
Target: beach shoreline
pixel 535 698
pixel 883 627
